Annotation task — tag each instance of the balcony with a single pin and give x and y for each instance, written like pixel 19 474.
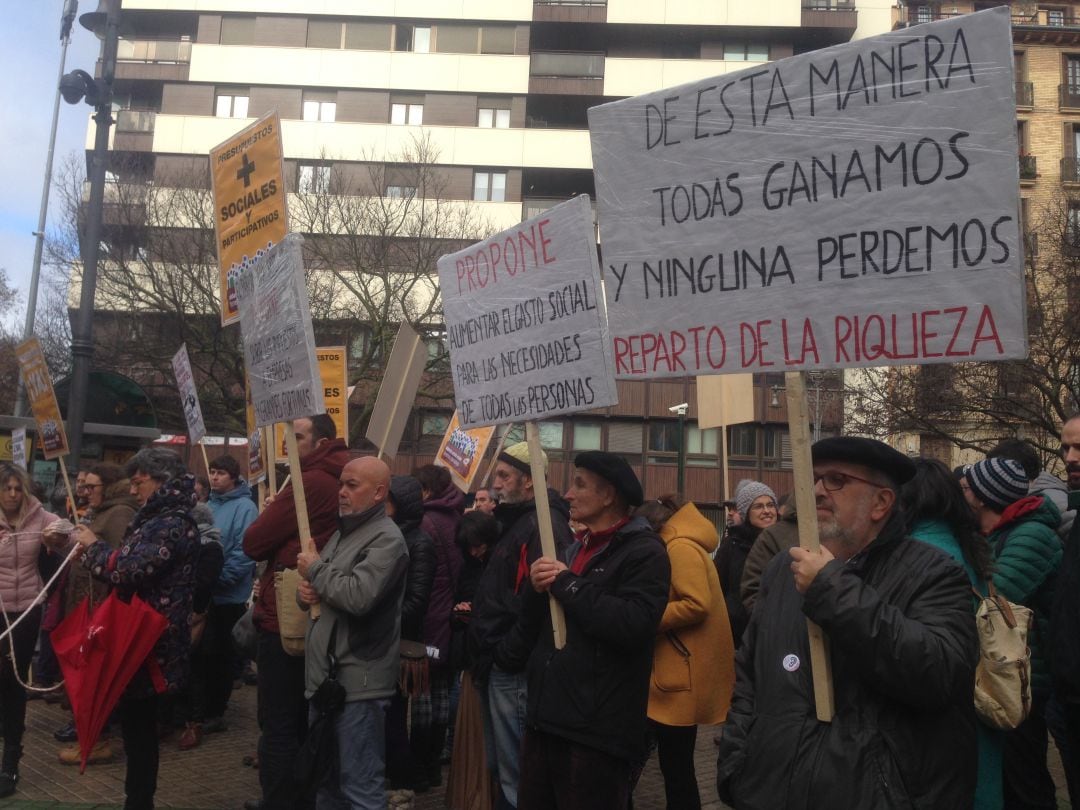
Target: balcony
pixel 579 73
pixel 1069 97
pixel 1028 168
pixel 135 120
pixel 829 14
pixel 154 51
pixel 1025 94
pixel 587 11
pixel 1070 171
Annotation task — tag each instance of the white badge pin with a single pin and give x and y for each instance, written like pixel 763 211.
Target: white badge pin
pixel 791 662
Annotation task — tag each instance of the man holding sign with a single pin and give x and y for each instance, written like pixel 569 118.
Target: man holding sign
pixel 904 648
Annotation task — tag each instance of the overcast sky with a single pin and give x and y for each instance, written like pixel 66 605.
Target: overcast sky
pixel 29 63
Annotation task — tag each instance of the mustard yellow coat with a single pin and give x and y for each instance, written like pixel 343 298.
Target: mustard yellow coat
pixel 694 657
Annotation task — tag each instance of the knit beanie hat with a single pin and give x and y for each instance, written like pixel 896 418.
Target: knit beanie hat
pixel 997 482
pixel 747 491
pixel 517 456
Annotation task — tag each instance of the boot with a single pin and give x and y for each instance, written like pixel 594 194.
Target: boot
pixel 420 743
pixel 9 769
pixel 191 737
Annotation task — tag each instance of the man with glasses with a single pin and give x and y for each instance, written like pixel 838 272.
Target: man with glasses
pixel 902 645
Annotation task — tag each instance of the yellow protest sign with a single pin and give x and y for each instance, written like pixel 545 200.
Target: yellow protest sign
pixel 333 369
pixel 249 202
pixel 256 465
pixel 6 451
pixel 42 398
pixel 462 451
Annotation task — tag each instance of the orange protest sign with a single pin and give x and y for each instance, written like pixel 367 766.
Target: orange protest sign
pixel 42 398
pixel 249 202
pixel 462 451
pixel 333 368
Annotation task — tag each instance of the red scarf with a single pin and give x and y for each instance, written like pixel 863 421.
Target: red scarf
pixel 592 543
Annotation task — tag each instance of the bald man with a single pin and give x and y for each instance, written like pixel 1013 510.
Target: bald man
pixel 358 581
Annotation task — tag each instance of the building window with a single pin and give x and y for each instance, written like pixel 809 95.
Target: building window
pixel 624 437
pixel 493 118
pixel 701 442
pixel 664 437
pixel 434 424
pixel 324 34
pixel 451 38
pixel 313 178
pixel 497 38
pixel 237 31
pixel 415 38
pixel 400 192
pixel 1072 229
pixel 1055 17
pixel 587 436
pixel 489 186
pixel 319 108
pixel 551 435
pixel 742 441
pixel 746 52
pixel 922 14
pixel 411 114
pixel 231 105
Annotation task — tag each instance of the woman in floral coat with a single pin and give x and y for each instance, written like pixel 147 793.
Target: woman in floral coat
pixel 156 562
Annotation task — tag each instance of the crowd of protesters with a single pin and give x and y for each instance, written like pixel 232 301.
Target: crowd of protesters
pixel 421 633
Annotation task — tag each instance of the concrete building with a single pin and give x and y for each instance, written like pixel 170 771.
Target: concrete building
pixel 499 89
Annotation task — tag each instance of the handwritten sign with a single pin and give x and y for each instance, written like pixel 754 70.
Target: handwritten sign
pixel 462 451
pixel 256 463
pixel 42 398
pixel 333 372
pixel 18 448
pixel 854 206
pixel 249 202
pixel 189 395
pixel 526 321
pixel 279 345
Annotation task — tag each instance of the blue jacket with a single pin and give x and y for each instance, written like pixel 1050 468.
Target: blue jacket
pixel 233 513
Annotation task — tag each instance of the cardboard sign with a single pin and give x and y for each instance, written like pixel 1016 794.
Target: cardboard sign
pixel 853 206
pixel 279 345
pixel 333 371
pixel 462 451
pixel 42 398
pixel 249 202
pixel 256 464
pixel 401 381
pixel 18 448
pixel 526 321
pixel 189 395
pixel 727 400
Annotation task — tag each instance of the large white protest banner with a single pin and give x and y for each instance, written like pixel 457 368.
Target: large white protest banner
pixel 525 321
pixel 189 396
pixel 853 206
pixel 279 345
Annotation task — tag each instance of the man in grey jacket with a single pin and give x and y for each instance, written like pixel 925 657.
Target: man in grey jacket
pixel 358 581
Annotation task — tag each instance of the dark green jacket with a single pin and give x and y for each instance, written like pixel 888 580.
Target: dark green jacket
pixel 1027 555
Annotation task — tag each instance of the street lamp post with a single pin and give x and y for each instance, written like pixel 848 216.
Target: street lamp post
pixel 105 22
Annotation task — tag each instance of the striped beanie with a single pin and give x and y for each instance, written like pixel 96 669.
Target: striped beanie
pixel 747 491
pixel 997 482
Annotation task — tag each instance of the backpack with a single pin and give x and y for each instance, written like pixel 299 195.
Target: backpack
pixel 1003 674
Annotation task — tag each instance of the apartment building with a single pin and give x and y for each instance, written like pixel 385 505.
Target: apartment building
pixel 500 89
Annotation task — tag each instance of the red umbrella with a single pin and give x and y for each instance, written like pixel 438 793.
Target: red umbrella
pixel 99 653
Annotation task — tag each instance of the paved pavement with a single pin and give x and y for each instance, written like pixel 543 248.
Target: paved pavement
pixel 212 777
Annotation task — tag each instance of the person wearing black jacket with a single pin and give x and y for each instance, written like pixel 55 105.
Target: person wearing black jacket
pixel 405 506
pixel 903 648
pixel 495 608
pixel 586 722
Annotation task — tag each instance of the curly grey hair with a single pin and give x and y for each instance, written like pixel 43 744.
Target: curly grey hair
pixel 157 462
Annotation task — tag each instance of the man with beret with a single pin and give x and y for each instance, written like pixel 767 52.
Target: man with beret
pixel 495 608
pixel 1022 532
pixel 587 701
pixel 903 648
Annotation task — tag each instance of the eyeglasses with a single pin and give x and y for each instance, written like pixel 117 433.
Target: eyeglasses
pixel 763 507
pixel 833 481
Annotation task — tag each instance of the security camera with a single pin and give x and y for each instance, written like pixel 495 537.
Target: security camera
pixel 680 409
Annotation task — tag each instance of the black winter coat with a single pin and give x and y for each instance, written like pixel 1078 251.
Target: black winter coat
pixel 408 512
pixel 903 652
pixel 730 561
pixel 497 601
pixel 595 691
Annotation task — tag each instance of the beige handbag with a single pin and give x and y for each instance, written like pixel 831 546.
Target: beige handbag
pixel 1003 675
pixel 292 620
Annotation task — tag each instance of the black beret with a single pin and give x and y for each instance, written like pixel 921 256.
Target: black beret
pixel 616 471
pixel 868 452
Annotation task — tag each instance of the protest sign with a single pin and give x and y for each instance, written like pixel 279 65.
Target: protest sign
pixel 42 398
pixel 462 451
pixel 853 206
pixel 333 373
pixel 256 464
pixel 189 396
pixel 397 392
pixel 525 320
pixel 279 345
pixel 723 401
pixel 249 202
pixel 18 448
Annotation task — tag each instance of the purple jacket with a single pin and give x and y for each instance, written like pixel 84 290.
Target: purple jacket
pixel 442 513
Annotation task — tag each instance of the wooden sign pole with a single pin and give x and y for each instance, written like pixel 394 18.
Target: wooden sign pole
pixel 67 486
pixel 271 467
pixel 206 461
pixel 495 457
pixel 543 515
pixel 806 509
pixel 300 501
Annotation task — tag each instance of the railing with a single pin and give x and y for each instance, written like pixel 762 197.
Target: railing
pixel 1025 94
pixel 532 206
pixel 1069 95
pixel 567 64
pixel 828 5
pixel 1070 170
pixel 135 120
pixel 916 15
pixel 163 51
pixel 1028 167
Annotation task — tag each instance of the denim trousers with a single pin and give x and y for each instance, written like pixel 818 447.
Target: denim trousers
pixel 504 706
pixel 361 739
